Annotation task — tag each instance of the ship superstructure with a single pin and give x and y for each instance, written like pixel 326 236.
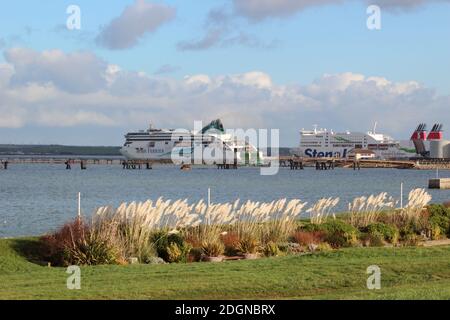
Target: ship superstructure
pixel 320 143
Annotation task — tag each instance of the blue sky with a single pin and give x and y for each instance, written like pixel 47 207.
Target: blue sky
pixel 294 50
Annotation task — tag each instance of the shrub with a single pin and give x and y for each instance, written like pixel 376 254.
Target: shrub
pixel 195 255
pixel 291 248
pixel 412 240
pixel 170 246
pixel 384 231
pixel 307 238
pixel 407 231
pixel 339 233
pixel 92 251
pixel 248 244
pixel 439 218
pixel 376 239
pixel 213 246
pixel 231 243
pixel 271 249
pixel 53 246
pixel 324 247
pixel 76 243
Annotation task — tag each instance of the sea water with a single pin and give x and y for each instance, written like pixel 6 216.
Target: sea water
pixel 35 199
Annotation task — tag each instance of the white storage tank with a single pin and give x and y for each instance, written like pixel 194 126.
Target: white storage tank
pixel 447 150
pixel 440 149
pixel 437 149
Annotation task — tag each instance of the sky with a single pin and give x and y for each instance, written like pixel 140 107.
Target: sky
pixel 282 64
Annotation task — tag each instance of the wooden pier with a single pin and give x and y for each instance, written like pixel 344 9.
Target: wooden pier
pixel 295 163
pixel 82 163
pixel 292 162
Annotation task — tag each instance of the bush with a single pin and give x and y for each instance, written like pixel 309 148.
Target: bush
pixel 170 246
pixel 195 255
pixel 271 249
pixel 212 246
pixel 337 233
pixel 324 247
pixel 248 244
pixel 376 239
pixel 231 243
pixel 412 240
pixel 53 246
pixel 386 232
pixel 92 251
pixel 76 244
pixel 439 218
pixel 306 238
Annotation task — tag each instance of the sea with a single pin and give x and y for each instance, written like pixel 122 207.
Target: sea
pixel 38 198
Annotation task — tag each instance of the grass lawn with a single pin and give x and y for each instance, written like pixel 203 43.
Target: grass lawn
pixel 407 273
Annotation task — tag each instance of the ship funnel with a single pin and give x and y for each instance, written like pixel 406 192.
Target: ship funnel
pixel 418 138
pixel 436 132
pixel 420 133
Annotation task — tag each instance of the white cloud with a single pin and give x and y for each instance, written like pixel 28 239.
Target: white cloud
pixel 78 72
pixel 135 22
pixel 252 99
pixel 257 10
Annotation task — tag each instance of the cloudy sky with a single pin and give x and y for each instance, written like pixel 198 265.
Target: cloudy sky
pixel 284 64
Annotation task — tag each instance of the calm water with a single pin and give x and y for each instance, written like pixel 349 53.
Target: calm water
pixel 37 198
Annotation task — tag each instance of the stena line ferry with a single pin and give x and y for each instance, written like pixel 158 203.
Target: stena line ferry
pixel 320 143
pixel 163 144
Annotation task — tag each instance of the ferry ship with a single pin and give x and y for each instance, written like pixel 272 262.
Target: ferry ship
pixel 169 144
pixel 321 143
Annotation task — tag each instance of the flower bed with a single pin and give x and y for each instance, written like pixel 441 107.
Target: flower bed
pixel 174 232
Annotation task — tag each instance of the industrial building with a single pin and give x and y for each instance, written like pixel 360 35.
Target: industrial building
pixel 438 147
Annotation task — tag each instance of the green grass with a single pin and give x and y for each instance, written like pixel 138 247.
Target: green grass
pixel 407 273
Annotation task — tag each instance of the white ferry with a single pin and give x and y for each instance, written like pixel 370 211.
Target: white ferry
pixel 321 143
pixel 190 146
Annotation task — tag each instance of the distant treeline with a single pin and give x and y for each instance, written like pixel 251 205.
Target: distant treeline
pixel 58 150
pixel 11 149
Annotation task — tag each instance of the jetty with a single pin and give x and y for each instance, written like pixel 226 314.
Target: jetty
pixel 299 163
pixel 292 162
pixel 443 183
